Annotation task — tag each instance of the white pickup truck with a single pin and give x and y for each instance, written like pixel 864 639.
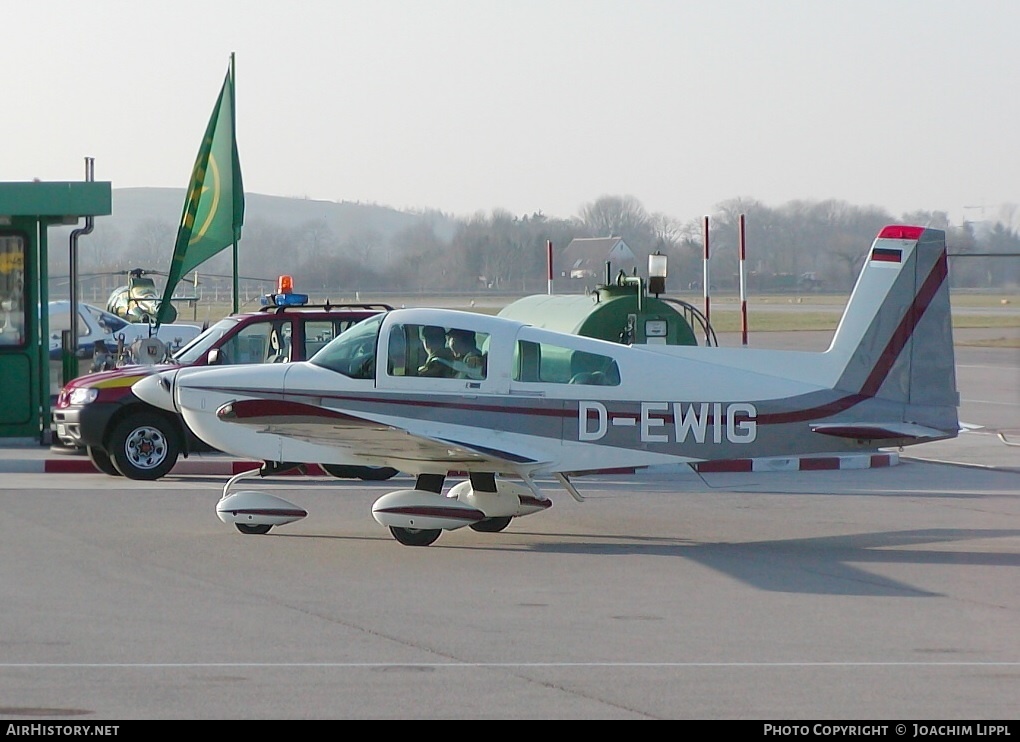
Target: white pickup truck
pixel 95 324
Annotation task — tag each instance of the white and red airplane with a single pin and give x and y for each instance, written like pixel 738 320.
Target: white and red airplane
pixel 525 402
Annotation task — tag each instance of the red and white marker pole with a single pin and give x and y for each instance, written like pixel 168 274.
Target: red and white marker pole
pixel 704 236
pixel 549 264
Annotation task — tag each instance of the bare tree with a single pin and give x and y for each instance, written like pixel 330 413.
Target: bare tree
pixel 619 216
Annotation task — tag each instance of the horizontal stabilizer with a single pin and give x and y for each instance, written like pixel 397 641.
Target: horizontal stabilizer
pixel 874 431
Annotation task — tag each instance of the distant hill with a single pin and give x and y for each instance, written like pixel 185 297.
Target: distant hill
pixel 144 221
pixel 132 206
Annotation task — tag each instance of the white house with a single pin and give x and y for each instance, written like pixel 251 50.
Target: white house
pixel 586 257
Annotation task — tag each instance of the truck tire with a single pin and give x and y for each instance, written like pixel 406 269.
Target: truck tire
pixel 144 445
pixel 101 460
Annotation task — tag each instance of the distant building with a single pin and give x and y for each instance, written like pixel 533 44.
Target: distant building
pixel 586 257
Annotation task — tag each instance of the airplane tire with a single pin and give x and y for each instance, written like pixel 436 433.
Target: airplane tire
pixel 367 473
pixel 491 525
pixel 376 474
pixel 415 536
pixel 252 530
pixel 144 446
pixel 101 460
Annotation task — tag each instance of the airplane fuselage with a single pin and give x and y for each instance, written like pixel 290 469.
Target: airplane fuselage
pixel 302 412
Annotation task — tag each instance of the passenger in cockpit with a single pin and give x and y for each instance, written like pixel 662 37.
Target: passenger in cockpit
pixel 470 362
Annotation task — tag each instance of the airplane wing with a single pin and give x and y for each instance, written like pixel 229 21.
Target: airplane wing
pixel 368 436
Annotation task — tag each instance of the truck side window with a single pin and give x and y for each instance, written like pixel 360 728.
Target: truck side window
pixel 317 334
pixel 252 344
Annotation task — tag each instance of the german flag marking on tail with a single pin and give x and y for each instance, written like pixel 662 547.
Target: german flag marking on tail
pixel 886 255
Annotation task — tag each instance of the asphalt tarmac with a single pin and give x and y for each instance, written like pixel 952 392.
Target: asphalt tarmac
pixel 887 593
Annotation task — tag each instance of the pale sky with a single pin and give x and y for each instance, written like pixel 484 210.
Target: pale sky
pixel 529 105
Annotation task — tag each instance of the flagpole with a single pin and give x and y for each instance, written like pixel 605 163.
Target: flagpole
pixel 233 133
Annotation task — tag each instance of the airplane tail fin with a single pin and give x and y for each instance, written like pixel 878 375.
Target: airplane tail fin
pixel 896 332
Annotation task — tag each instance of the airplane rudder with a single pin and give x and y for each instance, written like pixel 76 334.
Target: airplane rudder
pixel 933 361
pixel 898 288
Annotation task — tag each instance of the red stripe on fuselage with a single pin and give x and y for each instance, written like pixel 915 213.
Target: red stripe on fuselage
pixel 436 511
pixel 255 409
pixel 295 513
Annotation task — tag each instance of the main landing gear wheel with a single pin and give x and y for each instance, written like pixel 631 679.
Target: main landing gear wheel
pixel 366 473
pixel 252 530
pixel 491 525
pixel 415 536
pixel 101 460
pixel 376 474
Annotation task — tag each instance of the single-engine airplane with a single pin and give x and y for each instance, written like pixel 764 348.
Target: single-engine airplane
pixel 508 400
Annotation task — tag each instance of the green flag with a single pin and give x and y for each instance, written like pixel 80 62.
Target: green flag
pixel 214 206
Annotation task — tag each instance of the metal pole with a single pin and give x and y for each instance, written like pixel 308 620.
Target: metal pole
pixel 37 270
pixel 549 264
pixel 704 237
pixel 233 164
pixel 71 364
pixel 743 285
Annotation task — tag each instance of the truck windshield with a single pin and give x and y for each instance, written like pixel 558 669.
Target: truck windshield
pixel 352 352
pixel 191 352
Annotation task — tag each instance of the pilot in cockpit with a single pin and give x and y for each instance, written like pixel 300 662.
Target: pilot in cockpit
pixel 440 361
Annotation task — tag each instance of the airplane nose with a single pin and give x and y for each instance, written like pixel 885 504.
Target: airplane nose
pixel 157 390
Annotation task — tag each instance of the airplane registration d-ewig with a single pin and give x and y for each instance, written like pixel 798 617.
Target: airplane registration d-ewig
pixel 503 400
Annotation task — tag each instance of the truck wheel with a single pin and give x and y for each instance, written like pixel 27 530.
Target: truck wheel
pixel 101 460
pixel 144 445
